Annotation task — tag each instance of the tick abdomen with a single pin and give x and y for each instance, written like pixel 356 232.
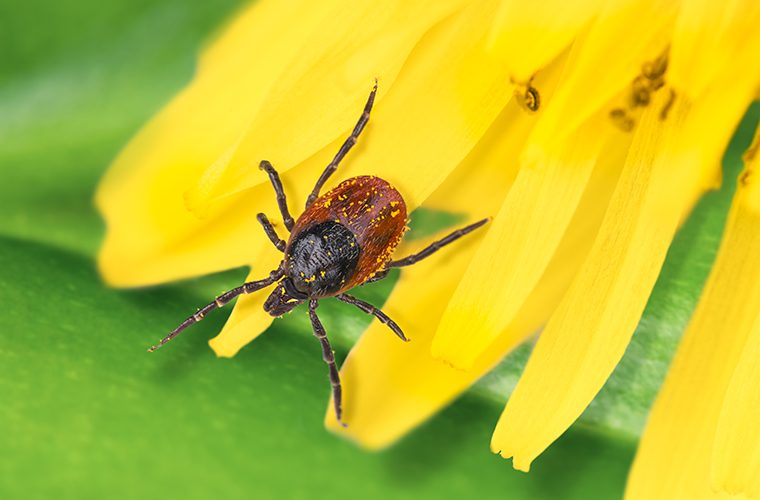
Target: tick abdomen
pixel 371 210
pixel 322 258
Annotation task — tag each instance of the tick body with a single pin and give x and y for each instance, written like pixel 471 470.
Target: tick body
pixel 343 239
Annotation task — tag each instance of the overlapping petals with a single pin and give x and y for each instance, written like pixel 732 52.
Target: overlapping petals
pixel 587 160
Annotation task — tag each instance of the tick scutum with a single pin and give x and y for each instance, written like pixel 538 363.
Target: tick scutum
pixel 322 258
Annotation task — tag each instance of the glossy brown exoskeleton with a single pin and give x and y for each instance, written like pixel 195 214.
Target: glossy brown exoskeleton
pixel 344 238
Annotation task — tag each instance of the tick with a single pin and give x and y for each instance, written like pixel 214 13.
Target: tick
pixel 343 239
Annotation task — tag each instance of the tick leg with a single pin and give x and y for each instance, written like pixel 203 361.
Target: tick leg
pixel 345 148
pixel 220 301
pixel 435 246
pixel 282 202
pixel 374 311
pixel 329 356
pixel 271 233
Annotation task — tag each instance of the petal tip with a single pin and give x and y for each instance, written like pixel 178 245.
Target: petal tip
pixel 112 269
pixel 517 462
pixel 222 349
pixel 521 465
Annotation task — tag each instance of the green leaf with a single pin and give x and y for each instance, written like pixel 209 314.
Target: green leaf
pixel 87 413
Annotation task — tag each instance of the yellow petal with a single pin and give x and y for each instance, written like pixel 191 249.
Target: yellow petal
pixel 593 77
pixel 391 387
pixel 320 94
pixel 736 457
pixel 711 37
pixel 588 333
pixel 150 236
pixel 248 319
pixel 679 442
pixel 520 243
pixel 542 29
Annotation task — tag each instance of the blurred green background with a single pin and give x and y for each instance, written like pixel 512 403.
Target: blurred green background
pixel 86 413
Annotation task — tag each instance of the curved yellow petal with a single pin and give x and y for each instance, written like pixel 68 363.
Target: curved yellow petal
pixel 320 94
pixel 679 443
pixel 150 236
pixel 248 319
pixel 589 331
pixel 593 77
pixel 711 37
pixel 520 243
pixel 543 29
pixel 736 457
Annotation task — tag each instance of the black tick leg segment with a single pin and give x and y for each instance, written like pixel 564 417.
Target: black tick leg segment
pixel 282 202
pixel 329 356
pixel 271 233
pixel 374 311
pixel 435 246
pixel 220 301
pixel 345 148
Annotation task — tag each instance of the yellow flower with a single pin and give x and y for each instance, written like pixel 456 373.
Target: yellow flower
pixel 588 129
